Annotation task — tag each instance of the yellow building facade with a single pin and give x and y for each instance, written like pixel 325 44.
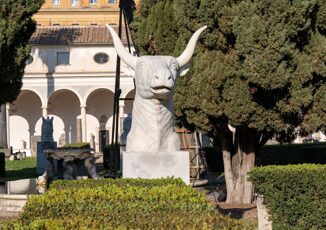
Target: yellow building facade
pixel 78 12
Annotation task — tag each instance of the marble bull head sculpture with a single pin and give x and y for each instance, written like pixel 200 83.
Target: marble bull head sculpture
pixel 152 128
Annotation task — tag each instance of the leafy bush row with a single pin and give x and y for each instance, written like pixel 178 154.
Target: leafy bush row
pixel 314 153
pixel 295 195
pixel 122 182
pixel 121 204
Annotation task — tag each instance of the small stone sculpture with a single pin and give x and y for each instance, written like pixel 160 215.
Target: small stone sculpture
pixel 152 128
pixel 47 129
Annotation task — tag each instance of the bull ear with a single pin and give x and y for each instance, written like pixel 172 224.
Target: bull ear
pixel 189 51
pixel 128 71
pixel 183 70
pixel 123 54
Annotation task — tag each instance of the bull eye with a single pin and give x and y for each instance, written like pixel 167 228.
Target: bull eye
pixel 174 66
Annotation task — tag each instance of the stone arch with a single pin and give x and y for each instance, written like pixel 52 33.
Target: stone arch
pixel 58 130
pixel 27 106
pixel 67 89
pixel 65 104
pixel 93 89
pixel 99 104
pixel 19 131
pixel 43 100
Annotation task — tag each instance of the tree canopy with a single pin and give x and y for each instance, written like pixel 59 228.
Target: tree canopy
pixel 16 28
pixel 259 71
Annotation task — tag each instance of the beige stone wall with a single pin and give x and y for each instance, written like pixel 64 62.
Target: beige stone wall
pixel 81 4
pixel 84 13
pixel 65 17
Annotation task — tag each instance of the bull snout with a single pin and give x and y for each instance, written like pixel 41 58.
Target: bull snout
pixel 163 80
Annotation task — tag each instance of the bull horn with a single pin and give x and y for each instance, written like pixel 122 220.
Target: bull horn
pixel 123 54
pixel 189 51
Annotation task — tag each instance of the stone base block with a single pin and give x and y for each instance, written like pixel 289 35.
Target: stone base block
pixel 24 186
pixel 156 165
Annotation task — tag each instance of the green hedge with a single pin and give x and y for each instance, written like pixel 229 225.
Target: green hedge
pixel 121 204
pixel 295 195
pixel 314 153
pixel 82 145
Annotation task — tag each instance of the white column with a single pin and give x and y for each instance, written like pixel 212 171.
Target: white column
pixel 83 121
pixel 121 116
pixel 45 111
pixel 8 124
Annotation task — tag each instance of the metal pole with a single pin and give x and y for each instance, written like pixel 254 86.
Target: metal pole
pixel 117 93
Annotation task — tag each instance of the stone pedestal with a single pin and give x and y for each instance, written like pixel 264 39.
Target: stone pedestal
pixel 42 162
pixel 156 165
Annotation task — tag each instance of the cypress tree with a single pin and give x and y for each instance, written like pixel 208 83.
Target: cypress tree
pixel 154 27
pixel 259 72
pixel 16 28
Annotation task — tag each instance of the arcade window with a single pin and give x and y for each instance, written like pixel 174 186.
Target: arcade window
pixel 93 1
pixel 112 1
pixel 63 58
pixel 55 2
pixel 74 2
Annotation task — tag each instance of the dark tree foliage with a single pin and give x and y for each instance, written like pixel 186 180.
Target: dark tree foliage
pixel 259 72
pixel 154 28
pixel 16 27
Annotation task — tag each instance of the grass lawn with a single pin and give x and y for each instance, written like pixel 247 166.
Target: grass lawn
pixel 20 169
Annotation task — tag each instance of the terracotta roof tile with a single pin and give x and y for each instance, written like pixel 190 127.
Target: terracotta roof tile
pixel 73 35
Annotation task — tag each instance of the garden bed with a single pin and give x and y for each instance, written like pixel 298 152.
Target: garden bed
pixel 122 203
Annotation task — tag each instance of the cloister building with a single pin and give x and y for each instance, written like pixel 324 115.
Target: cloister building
pixel 70 75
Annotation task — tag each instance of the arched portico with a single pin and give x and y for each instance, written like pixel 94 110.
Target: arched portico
pixel 65 104
pixel 23 114
pixel 99 104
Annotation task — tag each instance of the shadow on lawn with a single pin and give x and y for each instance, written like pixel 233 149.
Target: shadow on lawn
pixel 19 174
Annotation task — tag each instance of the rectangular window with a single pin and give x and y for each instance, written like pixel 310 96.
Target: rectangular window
pixel 112 1
pixel 93 1
pixel 55 2
pixel 63 58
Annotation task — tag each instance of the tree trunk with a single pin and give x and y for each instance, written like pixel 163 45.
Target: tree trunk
pixel 3 126
pixel 238 161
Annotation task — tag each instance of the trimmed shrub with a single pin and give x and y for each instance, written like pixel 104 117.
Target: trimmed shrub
pixel 2 164
pixel 314 153
pixel 122 204
pixel 78 145
pixel 295 195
